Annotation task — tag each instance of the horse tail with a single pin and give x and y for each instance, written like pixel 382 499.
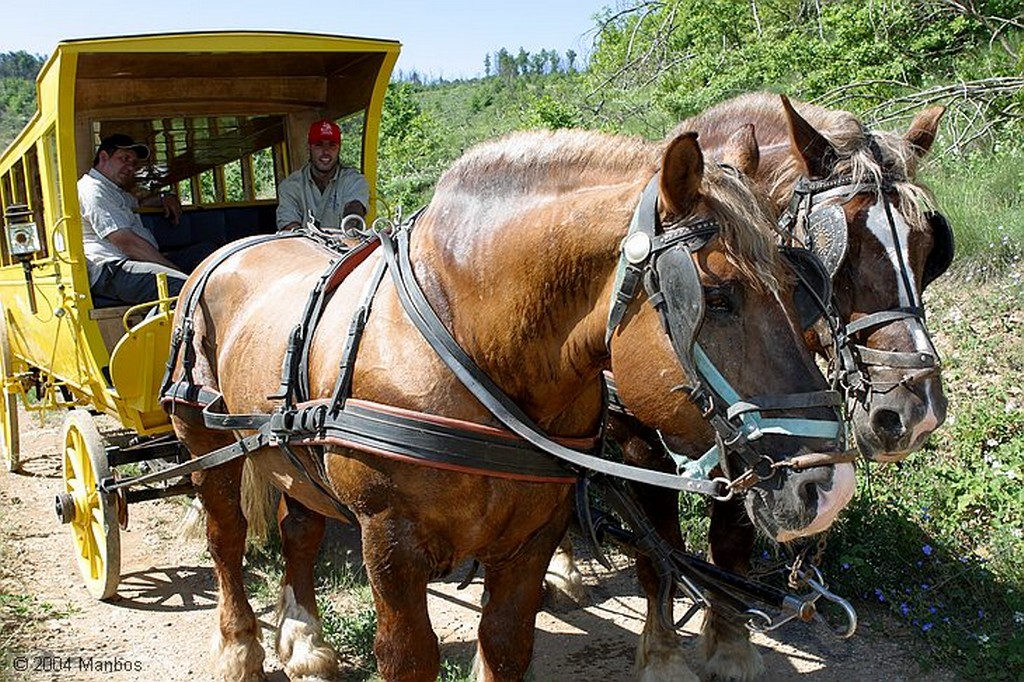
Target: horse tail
pixel 259 505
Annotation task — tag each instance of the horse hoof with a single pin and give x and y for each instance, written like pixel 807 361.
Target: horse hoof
pixel 300 644
pixel 238 661
pixel 737 661
pixel 563 585
pixel 660 657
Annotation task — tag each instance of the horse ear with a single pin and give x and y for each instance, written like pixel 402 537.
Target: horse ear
pixel 682 170
pixel 810 146
pixel 741 150
pixel 924 128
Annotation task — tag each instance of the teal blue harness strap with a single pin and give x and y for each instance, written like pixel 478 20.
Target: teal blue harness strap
pixel 754 425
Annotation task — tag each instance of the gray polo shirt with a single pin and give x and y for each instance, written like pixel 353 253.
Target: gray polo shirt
pixel 106 208
pixel 298 194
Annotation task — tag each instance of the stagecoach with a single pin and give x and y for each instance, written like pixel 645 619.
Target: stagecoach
pixel 225 115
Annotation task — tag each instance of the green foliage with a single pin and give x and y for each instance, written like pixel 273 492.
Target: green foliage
pixel 17 104
pixel 937 539
pixel 412 151
pixel 982 194
pixel 20 65
pixel 351 634
pixel 690 54
pixel 547 112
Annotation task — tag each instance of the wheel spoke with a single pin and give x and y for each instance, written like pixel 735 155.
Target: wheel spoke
pixel 72 462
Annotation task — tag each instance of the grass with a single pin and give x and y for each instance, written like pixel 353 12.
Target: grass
pixel 983 197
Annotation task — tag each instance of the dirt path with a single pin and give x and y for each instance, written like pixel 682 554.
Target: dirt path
pixel 159 626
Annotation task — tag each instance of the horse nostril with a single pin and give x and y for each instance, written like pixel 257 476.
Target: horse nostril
pixel 888 422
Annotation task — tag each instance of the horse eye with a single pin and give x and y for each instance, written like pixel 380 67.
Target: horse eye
pixel 720 300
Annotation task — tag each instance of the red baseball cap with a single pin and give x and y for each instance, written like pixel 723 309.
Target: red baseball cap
pixel 324 130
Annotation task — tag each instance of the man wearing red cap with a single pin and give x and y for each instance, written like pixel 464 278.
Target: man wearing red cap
pixel 322 186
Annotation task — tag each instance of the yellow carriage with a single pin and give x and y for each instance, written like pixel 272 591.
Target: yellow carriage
pixel 225 115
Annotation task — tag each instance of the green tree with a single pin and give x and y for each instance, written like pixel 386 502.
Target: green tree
pixel 412 151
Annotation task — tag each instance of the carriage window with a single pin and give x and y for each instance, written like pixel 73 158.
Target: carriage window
pixel 207 188
pixel 352 130
pixel 208 159
pixel 34 189
pixel 6 193
pixel 264 175
pixel 234 190
pixel 50 147
pixel 18 195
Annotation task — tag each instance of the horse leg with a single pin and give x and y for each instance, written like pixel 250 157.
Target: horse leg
pixel 725 641
pixel 660 652
pixel 398 570
pixel 237 651
pixel 563 580
pixel 513 593
pixel 300 643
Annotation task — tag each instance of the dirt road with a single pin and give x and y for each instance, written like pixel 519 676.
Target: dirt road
pixel 159 626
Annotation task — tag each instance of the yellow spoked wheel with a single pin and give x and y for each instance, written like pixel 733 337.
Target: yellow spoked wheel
pixel 91 513
pixel 10 447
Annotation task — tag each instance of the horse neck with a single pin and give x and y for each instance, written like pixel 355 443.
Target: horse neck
pixel 526 292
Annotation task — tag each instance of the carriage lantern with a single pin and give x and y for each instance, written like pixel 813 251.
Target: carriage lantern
pixel 22 242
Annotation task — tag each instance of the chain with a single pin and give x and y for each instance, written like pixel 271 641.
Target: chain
pixel 796 573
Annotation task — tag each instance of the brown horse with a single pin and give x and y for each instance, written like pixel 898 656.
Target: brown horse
pixel 850 194
pixel 518 254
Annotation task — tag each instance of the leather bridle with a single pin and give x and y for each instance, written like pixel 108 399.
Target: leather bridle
pixel 815 219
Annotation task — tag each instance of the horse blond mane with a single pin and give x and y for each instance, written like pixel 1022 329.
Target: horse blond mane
pixel 744 217
pixel 851 139
pixel 560 162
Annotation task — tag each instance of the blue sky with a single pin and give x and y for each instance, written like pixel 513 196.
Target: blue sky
pixel 440 38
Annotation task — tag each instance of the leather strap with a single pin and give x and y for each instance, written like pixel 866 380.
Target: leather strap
pixel 396 251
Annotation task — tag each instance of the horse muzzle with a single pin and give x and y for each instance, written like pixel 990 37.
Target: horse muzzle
pixel 890 424
pixel 805 497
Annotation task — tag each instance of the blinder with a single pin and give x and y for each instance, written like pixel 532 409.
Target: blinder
pixel 663 260
pixel 674 289
pixel 943 248
pixel 813 284
pixel 827 235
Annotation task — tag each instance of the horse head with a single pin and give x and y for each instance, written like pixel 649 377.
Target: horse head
pixel 713 335
pixel 859 207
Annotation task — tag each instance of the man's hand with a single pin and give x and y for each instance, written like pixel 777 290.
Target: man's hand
pixel 171 206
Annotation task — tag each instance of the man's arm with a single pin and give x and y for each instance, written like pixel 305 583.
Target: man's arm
pixel 168 201
pixel 354 206
pixel 137 248
pixel 289 204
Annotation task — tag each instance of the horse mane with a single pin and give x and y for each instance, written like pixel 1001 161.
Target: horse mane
pixel 852 140
pixel 847 134
pixel 545 161
pixel 556 163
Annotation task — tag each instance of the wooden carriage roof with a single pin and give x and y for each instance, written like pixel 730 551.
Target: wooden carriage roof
pixel 200 99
